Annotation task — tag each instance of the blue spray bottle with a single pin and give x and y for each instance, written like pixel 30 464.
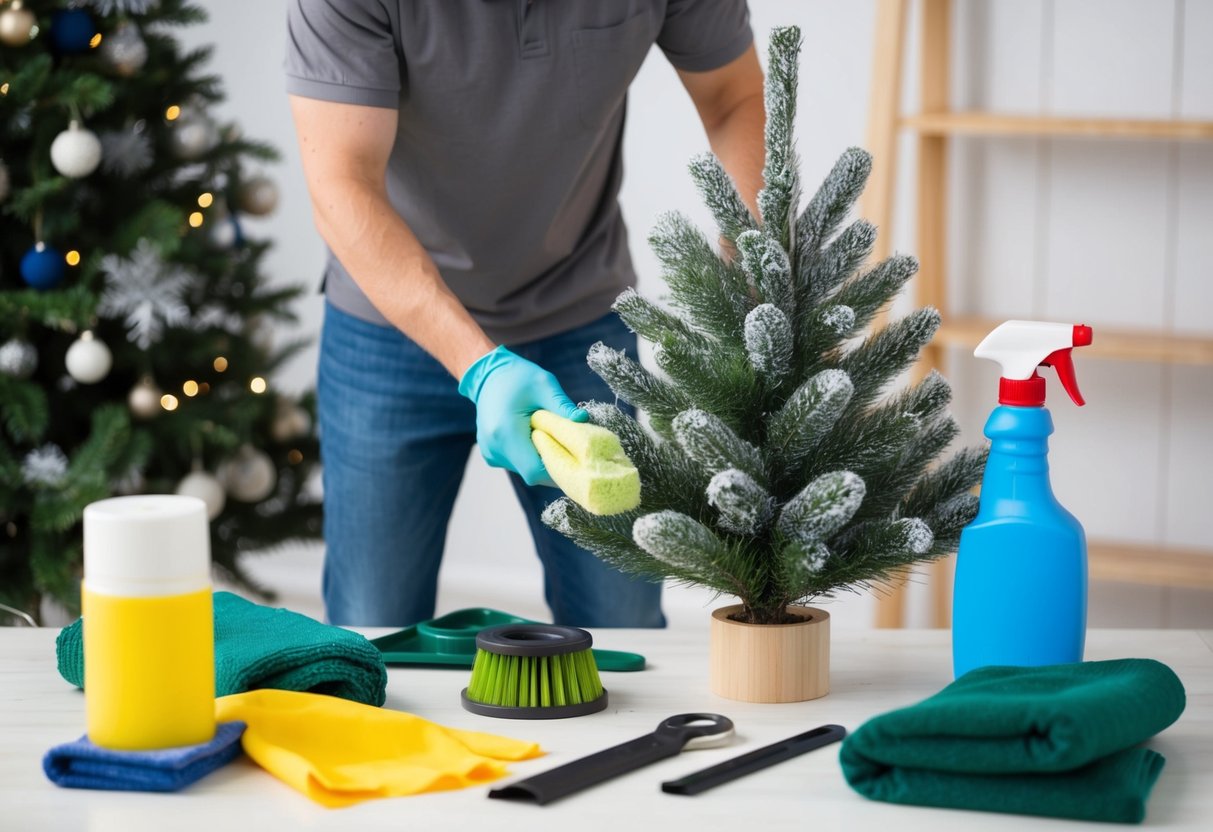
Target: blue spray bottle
pixel 1020 595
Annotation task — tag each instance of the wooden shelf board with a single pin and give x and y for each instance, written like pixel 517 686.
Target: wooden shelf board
pixel 994 124
pixel 1153 565
pixel 1123 344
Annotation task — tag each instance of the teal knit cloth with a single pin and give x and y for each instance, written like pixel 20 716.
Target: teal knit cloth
pixel 1059 741
pixel 263 647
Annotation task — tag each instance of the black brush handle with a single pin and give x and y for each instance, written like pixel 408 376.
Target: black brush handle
pixel 701 781
pixel 589 771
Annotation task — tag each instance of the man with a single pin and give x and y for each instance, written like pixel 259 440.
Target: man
pixel 463 159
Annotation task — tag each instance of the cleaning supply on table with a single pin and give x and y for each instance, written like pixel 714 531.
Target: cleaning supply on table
pixel 263 647
pixel 450 640
pixel 673 735
pixel 83 765
pixel 534 671
pixel 149 639
pixel 338 752
pixel 587 462
pixel 1060 741
pixel 701 781
pixel 1022 545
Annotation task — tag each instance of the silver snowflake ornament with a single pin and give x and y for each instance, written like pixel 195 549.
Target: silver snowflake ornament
pixel 45 466
pixel 126 153
pixel 147 292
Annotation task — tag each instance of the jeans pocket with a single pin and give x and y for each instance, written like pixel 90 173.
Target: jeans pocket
pixel 606 61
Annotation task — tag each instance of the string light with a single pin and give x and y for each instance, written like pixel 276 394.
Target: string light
pixel 205 200
pixel 294 456
pixel 195 219
pixel 4 88
pixel 172 113
pixel 72 258
pixel 190 388
pixel 168 401
pixel 95 41
pixel 220 364
pixel 257 385
pixel 204 388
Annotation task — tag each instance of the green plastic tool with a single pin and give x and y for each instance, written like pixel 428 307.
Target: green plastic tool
pixel 450 640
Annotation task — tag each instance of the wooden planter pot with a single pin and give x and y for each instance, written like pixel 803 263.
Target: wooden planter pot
pixel 771 662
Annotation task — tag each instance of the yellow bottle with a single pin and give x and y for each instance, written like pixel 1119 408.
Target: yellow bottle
pixel 149 644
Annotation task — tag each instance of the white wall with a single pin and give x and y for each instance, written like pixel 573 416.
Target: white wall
pixel 1113 232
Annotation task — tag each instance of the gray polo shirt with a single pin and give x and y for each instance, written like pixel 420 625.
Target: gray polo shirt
pixel 507 161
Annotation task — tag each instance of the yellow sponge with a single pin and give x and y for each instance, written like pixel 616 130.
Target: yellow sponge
pixel 587 462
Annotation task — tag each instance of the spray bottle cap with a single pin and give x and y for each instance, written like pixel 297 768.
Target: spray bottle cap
pixel 1022 346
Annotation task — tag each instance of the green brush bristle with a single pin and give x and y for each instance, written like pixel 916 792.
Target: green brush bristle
pixel 534 681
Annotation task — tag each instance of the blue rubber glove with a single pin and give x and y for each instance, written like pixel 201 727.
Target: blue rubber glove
pixel 506 390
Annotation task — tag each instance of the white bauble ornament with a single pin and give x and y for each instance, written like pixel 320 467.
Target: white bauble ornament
pixel 123 50
pixel 249 476
pixel 193 136
pixel 88 360
pixel 76 152
pixel 224 232
pixel 290 421
pixel 5 182
pixel 18 358
pixel 17 24
pixel 206 488
pixel 258 196
pixel 144 399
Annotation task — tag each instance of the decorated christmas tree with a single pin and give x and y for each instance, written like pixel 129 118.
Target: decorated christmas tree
pixel 135 354
pixel 777 466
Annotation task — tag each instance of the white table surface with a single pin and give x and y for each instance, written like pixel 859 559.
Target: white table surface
pixel 873 671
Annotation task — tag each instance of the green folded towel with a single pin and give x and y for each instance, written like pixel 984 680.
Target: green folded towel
pixel 1055 741
pixel 263 647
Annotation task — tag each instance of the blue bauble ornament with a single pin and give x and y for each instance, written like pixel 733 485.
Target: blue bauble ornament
pixel 72 31
pixel 43 266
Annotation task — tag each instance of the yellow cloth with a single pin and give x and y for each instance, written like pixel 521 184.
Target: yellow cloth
pixel 339 752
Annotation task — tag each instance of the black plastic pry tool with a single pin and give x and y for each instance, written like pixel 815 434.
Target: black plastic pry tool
pixel 670 738
pixel 764 757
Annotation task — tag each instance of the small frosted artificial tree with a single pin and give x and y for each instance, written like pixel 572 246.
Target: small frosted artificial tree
pixel 777 470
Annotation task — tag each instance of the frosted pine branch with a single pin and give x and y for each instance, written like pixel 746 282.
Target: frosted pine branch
pixel 777 201
pixel 884 355
pixel 869 292
pixel 636 385
pixel 822 507
pixel 825 329
pixel 679 541
pixel 833 200
pixel 712 292
pixel 648 320
pixel 768 341
pixel 710 442
pixel 765 261
pixel 720 195
pixel 819 273
pixel 745 506
pixel 807 416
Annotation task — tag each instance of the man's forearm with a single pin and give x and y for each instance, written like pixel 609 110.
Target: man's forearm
pixel 390 265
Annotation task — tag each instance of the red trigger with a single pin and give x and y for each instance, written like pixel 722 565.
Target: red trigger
pixel 1062 361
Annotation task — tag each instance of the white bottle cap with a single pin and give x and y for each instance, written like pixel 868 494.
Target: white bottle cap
pixel 147 545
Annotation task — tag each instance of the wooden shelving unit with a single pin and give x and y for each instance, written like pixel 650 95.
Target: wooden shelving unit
pixel 933 127
pixel 996 124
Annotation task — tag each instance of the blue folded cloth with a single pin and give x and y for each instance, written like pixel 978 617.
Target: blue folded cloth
pixel 82 765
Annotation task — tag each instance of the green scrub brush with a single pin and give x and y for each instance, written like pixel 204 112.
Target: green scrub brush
pixel 534 671
pixel 587 462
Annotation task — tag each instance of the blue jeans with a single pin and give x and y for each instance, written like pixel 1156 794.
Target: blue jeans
pixel 395 436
